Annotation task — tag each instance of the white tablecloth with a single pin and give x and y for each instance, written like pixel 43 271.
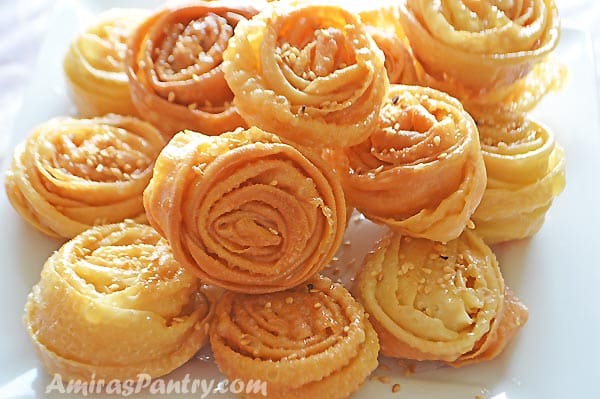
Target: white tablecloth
pixel 23 24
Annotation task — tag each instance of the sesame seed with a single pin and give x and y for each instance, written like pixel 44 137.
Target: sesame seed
pixel 395 388
pixel 268 305
pixel 470 225
pixel 346 329
pixel 273 183
pixel 289 300
pixel 317 305
pixel 437 140
pixel 192 106
pixel 171 97
pixel 395 99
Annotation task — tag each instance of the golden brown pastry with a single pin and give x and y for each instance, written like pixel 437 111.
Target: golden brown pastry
pixel 308 71
pixel 433 301
pixel 312 341
pixel 509 104
pixel 174 64
pixel 421 172
pixel 480 45
pixel 383 24
pixel 113 303
pixel 71 174
pixel 245 211
pixel 526 171
pixel 95 65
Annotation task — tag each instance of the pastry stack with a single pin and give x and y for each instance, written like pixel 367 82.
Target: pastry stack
pixel 218 153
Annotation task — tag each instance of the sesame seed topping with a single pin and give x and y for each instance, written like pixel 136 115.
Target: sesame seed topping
pixel 317 305
pixel 395 388
pixel 437 140
pixel 171 97
pixel 289 300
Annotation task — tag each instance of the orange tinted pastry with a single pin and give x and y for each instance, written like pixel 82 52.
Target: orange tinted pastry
pixel 71 174
pixel 480 45
pixel 309 72
pixel 308 342
pixel 113 303
pixel 245 211
pixel 526 171
pixel 430 301
pixel 95 65
pixel 421 172
pixel 175 71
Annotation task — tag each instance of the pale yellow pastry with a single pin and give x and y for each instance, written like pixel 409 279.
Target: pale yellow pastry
pixel 421 171
pixel 312 341
pixel 246 211
pixel 308 71
pixel 71 174
pixel 95 64
pixel 526 171
pixel 433 301
pixel 480 45
pixel 113 303
pixel 174 64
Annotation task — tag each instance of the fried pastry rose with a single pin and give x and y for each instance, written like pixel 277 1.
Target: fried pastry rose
pixel 71 174
pixel 382 23
pixel 480 45
pixel 309 72
pixel 526 171
pixel 245 211
pixel 421 172
pixel 95 65
pixel 312 341
pixel 433 301
pixel 113 303
pixel 174 64
pixel 509 104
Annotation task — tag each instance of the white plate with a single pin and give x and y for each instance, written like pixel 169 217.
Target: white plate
pixel 556 273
